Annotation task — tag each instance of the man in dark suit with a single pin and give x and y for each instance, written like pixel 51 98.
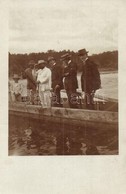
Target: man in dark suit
pixel 57 82
pixel 70 79
pixel 90 79
pixel 31 82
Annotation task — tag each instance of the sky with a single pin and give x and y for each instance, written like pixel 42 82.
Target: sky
pixel 41 25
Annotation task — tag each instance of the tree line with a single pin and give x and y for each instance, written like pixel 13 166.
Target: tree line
pixel 105 61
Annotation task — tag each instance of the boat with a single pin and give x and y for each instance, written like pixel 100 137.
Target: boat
pixel 104 117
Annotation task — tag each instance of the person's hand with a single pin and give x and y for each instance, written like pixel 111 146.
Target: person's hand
pixel 66 74
pixel 57 86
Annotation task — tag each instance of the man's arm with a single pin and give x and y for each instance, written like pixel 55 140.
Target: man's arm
pixel 29 76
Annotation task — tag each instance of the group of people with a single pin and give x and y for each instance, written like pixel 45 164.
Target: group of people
pixel 48 82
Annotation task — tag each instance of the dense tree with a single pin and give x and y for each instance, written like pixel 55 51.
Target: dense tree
pixel 105 61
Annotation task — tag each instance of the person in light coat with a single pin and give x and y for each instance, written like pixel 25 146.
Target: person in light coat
pixel 44 83
pixel 57 82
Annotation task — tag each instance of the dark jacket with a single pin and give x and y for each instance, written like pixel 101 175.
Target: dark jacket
pixel 31 83
pixel 70 74
pixel 57 78
pixel 90 79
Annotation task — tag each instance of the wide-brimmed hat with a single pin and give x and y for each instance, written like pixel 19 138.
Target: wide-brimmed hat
pixel 50 58
pixel 32 62
pixel 16 76
pixel 82 52
pixel 65 56
pixel 42 62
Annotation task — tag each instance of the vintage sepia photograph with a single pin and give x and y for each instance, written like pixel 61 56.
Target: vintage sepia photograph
pixel 63 78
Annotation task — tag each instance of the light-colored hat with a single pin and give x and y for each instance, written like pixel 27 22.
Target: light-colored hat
pixel 41 62
pixel 16 76
pixel 65 56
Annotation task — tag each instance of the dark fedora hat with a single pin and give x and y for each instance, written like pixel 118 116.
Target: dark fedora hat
pixel 50 58
pixel 65 56
pixel 82 52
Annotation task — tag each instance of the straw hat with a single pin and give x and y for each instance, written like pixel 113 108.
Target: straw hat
pixel 42 62
pixel 65 56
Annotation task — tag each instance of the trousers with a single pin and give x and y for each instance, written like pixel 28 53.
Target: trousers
pixel 56 98
pixel 45 98
pixel 72 99
pixel 89 100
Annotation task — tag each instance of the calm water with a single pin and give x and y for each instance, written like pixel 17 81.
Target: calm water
pixel 34 137
pixel 109 84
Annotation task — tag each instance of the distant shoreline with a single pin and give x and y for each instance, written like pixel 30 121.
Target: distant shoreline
pixel 105 71
pixel 101 72
pixel 108 71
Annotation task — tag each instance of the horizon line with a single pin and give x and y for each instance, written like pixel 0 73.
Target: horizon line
pixel 45 52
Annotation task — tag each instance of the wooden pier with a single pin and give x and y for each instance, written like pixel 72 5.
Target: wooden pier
pixel 104 120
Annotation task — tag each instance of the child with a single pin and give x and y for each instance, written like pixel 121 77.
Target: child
pixel 16 89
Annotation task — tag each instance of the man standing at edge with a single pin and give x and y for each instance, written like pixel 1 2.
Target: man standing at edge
pixel 57 82
pixel 70 79
pixel 31 82
pixel 90 79
pixel 44 83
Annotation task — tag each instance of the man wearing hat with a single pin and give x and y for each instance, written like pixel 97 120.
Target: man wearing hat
pixel 44 83
pixel 57 82
pixel 31 82
pixel 70 79
pixel 90 79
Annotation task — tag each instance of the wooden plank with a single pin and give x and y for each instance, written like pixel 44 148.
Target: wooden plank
pixel 67 113
pixel 69 122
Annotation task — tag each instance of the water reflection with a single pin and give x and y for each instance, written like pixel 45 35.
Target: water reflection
pixel 35 137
